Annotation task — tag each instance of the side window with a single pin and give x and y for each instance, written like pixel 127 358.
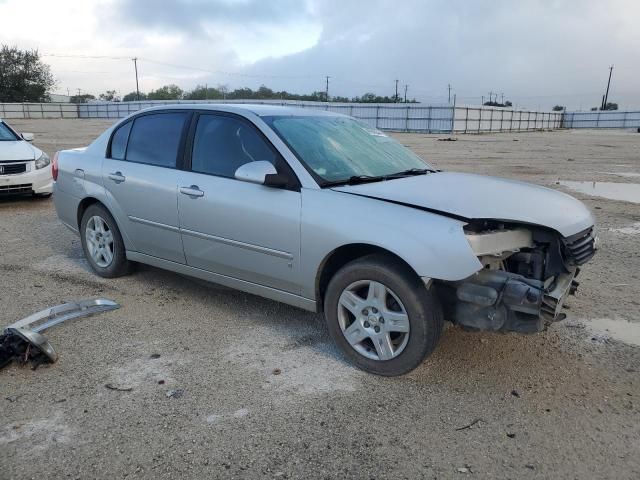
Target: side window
pixel 119 141
pixel 222 144
pixel 155 139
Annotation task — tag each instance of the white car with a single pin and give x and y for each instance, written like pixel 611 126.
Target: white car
pixel 23 167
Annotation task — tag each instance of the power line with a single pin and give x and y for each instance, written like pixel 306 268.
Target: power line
pixel 174 65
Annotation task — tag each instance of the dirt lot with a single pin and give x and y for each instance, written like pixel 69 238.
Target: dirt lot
pixel 561 404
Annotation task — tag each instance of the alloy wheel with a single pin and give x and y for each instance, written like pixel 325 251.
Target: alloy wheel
pixel 373 320
pixel 99 240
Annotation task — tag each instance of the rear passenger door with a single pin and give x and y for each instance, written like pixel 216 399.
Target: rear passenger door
pixel 231 227
pixel 140 176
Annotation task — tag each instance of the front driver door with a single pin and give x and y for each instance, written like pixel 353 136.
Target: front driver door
pixel 234 228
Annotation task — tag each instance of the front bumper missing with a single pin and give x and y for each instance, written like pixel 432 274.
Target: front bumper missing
pixel 23 341
pixel 497 300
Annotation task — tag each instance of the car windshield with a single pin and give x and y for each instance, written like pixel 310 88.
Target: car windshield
pixel 340 149
pixel 6 135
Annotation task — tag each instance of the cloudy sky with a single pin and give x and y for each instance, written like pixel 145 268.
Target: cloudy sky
pixel 538 52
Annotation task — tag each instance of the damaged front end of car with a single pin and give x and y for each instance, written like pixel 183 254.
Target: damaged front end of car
pixel 527 274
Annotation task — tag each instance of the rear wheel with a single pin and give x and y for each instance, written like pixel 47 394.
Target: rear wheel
pixel 102 243
pixel 382 316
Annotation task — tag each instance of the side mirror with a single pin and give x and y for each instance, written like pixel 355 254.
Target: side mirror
pixel 27 136
pixel 262 173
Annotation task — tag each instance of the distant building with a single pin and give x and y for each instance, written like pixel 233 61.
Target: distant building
pixel 58 98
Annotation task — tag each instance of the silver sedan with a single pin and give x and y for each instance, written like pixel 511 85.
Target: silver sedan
pixel 323 212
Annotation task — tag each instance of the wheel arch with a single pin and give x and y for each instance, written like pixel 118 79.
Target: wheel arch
pixel 342 255
pixel 83 205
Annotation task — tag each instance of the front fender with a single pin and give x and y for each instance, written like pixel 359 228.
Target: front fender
pixel 433 245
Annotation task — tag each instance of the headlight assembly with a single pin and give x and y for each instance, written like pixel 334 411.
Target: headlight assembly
pixel 43 161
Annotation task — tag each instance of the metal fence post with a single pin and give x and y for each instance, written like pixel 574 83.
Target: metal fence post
pixel 453 115
pixel 429 121
pixel 406 120
pixel 479 118
pixel 377 114
pixel 491 121
pixel 466 119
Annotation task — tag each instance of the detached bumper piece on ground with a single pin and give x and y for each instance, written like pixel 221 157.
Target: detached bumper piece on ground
pixel 23 342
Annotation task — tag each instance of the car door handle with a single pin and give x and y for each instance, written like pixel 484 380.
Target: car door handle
pixel 117 177
pixel 192 191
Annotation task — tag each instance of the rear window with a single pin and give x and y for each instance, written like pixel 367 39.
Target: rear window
pixel 155 139
pixel 119 141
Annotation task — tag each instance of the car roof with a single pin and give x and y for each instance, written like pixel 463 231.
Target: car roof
pixel 262 110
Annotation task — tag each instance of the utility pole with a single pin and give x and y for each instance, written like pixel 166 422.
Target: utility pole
pixel 606 95
pixel 396 99
pixel 482 101
pixel 326 89
pixel 135 65
pixel 206 91
pixel 79 91
pixel 502 95
pixel 405 92
pixel 449 87
pixel 490 97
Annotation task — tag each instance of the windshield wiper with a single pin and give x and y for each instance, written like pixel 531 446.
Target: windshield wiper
pixel 411 172
pixel 357 179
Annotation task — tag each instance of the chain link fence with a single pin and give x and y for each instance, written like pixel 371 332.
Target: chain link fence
pixel 406 117
pixel 602 119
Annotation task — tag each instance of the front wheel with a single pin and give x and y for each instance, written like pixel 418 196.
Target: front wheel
pixel 102 243
pixel 382 316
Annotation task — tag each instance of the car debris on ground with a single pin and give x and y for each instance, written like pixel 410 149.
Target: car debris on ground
pixel 22 341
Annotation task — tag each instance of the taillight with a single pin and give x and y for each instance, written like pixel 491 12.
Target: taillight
pixel 54 166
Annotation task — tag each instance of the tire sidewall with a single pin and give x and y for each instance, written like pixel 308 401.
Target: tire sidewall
pixel 119 264
pixel 425 318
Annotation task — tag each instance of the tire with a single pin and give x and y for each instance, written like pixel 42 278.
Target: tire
pixel 105 265
pixel 406 302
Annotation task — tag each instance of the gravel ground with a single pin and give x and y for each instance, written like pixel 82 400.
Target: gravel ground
pixel 228 385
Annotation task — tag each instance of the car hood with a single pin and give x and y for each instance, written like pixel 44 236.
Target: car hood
pixel 479 197
pixel 18 150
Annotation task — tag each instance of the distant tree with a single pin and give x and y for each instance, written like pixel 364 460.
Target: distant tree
pixel 84 98
pixel 495 103
pixel 558 108
pixel 133 96
pixel 608 106
pixel 202 92
pixel 167 92
pixel 23 76
pixel 109 96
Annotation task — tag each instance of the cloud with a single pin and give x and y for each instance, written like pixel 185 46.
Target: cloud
pixel 538 52
pixel 197 17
